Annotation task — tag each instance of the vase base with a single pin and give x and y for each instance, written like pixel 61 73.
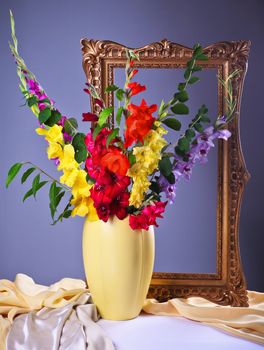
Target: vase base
pixel 119 318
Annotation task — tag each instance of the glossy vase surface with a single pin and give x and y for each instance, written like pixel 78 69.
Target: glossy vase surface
pixel 118 263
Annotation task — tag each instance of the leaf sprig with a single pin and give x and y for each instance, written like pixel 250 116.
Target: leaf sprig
pixel 56 192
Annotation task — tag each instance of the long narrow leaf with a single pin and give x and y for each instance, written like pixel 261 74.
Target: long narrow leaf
pixel 13 171
pixel 26 174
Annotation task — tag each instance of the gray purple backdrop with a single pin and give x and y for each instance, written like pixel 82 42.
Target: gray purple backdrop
pixel 49 35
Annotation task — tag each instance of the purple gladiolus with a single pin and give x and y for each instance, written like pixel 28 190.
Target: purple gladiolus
pixel 33 86
pixel 183 169
pixel 67 137
pixel 223 134
pixel 167 188
pixel 62 121
pixel 199 151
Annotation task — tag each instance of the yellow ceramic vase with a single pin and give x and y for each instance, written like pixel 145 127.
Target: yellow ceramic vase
pixel 118 263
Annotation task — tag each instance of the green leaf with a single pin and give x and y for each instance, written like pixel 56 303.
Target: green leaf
pixel 198 50
pixel 26 174
pixel 80 155
pixel 197 68
pixel 171 178
pixel 70 126
pixel 205 119
pixel 202 57
pixel 104 114
pixel 198 127
pixel 131 158
pixel 184 144
pixel 53 192
pixel 79 147
pixel 120 94
pixel 96 131
pixel 13 171
pixel 59 197
pixel 182 96
pixel 119 115
pixel 189 133
pixel 179 152
pixel 154 187
pixel 35 184
pixel 44 115
pixel 172 123
pixel 190 63
pixel 111 136
pixel 67 214
pixel 165 166
pixel 203 109
pixel 161 107
pixel 193 80
pixel 180 108
pixel 30 192
pixel 187 74
pixel 111 88
pixel 181 86
pixel 78 141
pixel 54 118
pixel 52 196
pixel 32 101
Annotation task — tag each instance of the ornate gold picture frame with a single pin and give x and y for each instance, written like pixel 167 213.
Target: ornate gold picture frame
pixel 227 286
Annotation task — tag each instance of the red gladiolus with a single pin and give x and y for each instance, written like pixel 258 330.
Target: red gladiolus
pixel 133 73
pixel 108 167
pixel 89 142
pixel 103 211
pixel 99 102
pixel 119 205
pixel 135 88
pixel 111 184
pixel 114 160
pixel 139 122
pixel 89 117
pixel 148 216
pixel 87 91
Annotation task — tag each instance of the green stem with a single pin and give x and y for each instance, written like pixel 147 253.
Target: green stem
pixel 49 176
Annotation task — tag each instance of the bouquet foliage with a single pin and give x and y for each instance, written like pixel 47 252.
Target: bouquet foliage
pixel 113 172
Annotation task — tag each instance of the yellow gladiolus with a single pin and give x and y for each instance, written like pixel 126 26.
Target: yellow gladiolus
pixel 80 186
pixel 84 206
pixel 54 150
pixel 69 177
pixel 53 134
pixel 140 186
pixel 147 161
pixel 67 161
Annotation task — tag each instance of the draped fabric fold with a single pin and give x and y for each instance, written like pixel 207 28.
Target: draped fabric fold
pixel 61 316
pixel 244 322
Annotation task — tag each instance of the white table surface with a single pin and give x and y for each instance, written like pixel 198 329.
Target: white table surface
pixel 151 332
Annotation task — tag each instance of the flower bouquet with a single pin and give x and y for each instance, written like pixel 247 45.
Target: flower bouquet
pixel 119 178
pixel 109 172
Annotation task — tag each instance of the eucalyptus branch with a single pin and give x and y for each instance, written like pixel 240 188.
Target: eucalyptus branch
pixel 46 174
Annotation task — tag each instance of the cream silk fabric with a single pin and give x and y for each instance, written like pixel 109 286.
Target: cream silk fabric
pixel 245 322
pixel 65 320
pixel 62 317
